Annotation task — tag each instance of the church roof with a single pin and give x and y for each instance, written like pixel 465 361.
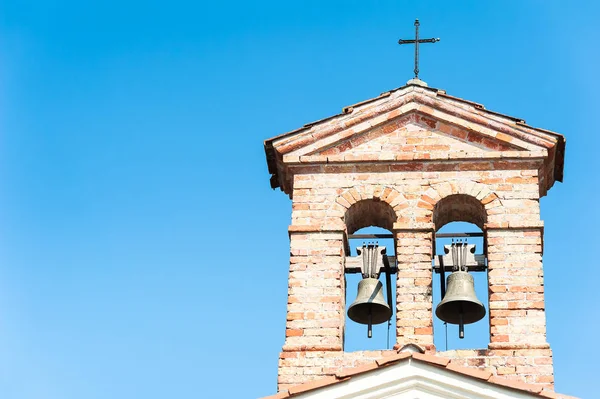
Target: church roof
pixel 530 390
pixel 332 140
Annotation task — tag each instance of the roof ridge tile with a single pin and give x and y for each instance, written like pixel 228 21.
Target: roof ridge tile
pixel 432 359
pixel 388 360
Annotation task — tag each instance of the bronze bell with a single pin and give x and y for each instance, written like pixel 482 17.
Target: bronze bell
pixel 460 304
pixel 370 306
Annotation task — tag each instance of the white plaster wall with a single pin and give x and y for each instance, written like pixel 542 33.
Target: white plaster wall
pixel 414 380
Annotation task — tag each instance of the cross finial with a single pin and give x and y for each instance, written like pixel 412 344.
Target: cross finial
pixel 416 42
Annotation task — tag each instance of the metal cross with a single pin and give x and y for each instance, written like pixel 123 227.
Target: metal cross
pixel 416 42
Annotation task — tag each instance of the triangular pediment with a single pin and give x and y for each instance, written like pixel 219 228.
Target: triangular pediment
pixel 413 123
pixel 416 133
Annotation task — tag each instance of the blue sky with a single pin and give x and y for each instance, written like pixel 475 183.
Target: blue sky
pixel 142 252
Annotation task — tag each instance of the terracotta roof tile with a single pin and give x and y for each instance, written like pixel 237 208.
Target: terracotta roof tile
pixel 412 348
pixel 546 393
pixel 440 361
pixel 393 359
pixel 309 386
pixel 515 384
pixel 462 100
pixel 470 371
pixel 278 395
pixel 350 108
pixel 356 370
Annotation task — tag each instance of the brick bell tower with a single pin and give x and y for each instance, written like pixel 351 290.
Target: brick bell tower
pixel 412 160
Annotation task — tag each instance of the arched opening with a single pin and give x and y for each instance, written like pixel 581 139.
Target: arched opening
pixel 458 208
pixel 369 221
pixel 461 217
pixel 370 212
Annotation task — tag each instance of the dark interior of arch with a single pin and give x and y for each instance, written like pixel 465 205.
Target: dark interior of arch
pixel 367 213
pixel 458 208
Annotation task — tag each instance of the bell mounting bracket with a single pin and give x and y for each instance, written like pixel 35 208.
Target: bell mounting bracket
pixel 472 262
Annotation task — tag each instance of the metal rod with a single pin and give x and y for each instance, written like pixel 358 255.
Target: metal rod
pixel 450 235
pixel 446 326
pixel 416 42
pixel 417 48
pixel 453 253
pixel 389 323
pixel 369 236
pixel 365 265
pixel 463 258
pixel 442 278
pixel 388 280
pixel 438 235
pixel 370 327
pixel 461 326
pixel 468 268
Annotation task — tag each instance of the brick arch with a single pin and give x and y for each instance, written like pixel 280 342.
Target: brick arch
pixel 463 200
pixel 368 205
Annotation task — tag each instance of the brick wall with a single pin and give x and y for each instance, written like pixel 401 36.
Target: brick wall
pixel 412 200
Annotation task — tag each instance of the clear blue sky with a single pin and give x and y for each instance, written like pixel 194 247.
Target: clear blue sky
pixel 142 252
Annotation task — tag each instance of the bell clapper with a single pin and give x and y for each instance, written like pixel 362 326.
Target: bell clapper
pixel 370 327
pixel 461 326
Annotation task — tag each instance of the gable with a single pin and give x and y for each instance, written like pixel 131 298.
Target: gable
pixel 374 131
